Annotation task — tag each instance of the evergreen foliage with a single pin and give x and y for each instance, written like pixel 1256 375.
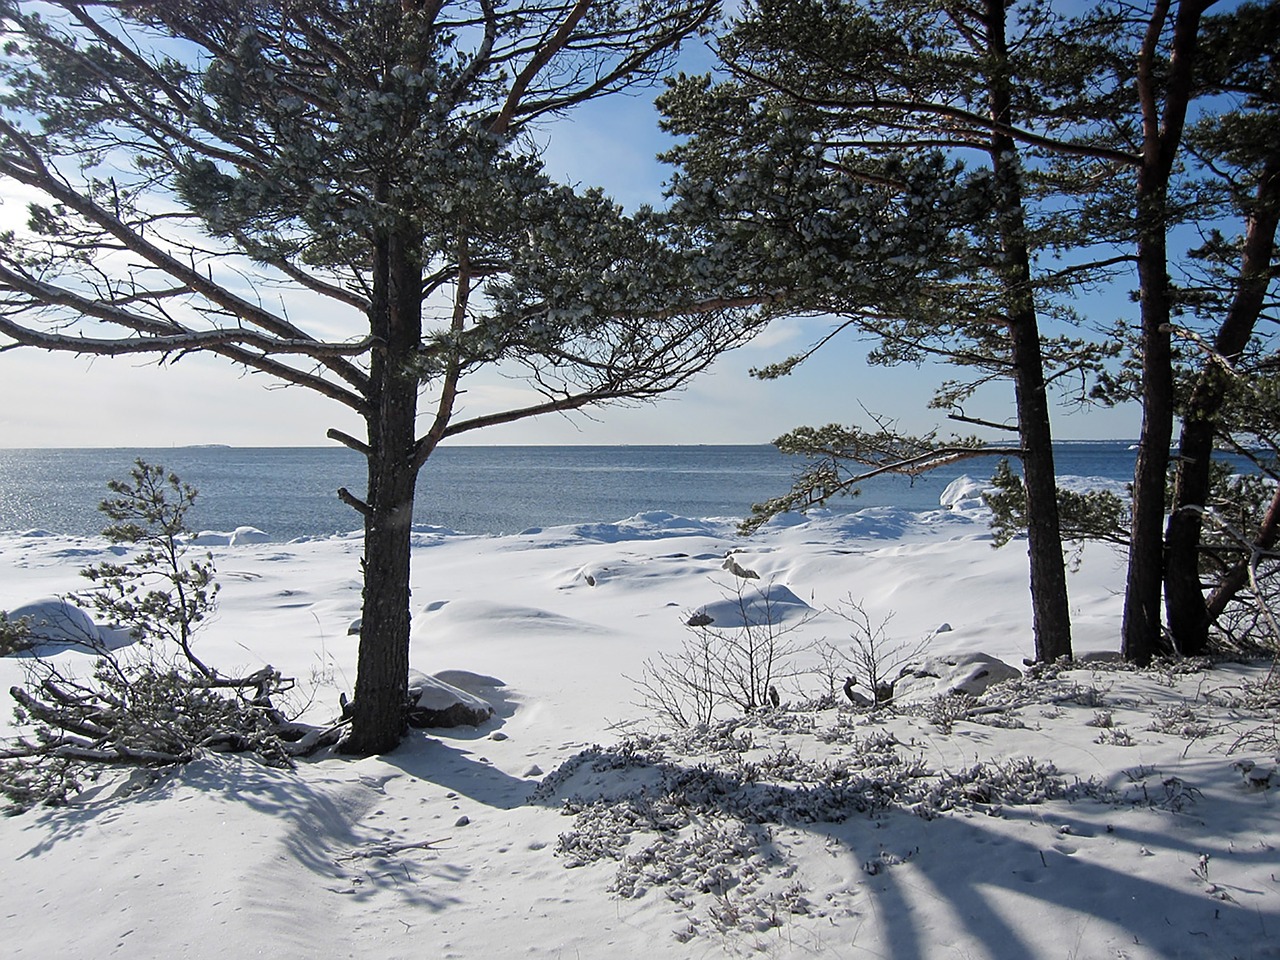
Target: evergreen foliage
pixel 158 594
pixel 921 133
pixel 153 703
pixel 1037 156
pixel 378 159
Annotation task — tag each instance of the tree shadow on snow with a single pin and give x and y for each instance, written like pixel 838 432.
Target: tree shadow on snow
pixel 325 826
pixel 459 770
pixel 992 886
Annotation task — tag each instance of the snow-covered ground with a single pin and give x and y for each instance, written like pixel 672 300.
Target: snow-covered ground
pixel 1099 813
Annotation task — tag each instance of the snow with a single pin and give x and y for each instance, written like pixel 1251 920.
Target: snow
pixel 54 620
pixel 1154 834
pixel 220 538
pixel 964 492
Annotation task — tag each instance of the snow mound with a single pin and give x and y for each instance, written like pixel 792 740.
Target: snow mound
pixel 942 676
pixel 494 618
pixel 652 525
pixel 430 535
pixel 1078 484
pixel 237 537
pixel 474 683
pixel 871 523
pixel 55 620
pixel 780 521
pixel 964 493
pixel 768 604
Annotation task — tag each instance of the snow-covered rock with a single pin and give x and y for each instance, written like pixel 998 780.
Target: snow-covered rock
pixel 940 676
pixel 756 606
pixel 57 620
pixel 963 493
pixel 211 538
pixel 441 704
pixel 221 538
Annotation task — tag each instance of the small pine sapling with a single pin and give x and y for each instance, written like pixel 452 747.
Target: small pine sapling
pixel 156 703
pixel 158 593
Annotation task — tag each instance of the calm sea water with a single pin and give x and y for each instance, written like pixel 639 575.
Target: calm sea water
pixel 290 492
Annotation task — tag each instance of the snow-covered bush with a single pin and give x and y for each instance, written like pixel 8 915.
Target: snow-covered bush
pixel 15 634
pixel 153 703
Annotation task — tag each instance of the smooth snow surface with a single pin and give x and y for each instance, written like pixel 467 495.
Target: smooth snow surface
pixel 571 825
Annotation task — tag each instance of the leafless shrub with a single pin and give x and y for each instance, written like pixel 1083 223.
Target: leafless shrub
pixel 1171 793
pixel 943 712
pixel 735 667
pixel 1116 737
pixel 1180 720
pixel 872 658
pixel 1259 703
pixel 1102 719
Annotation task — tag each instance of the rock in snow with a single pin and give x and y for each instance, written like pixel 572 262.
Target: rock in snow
pixel 440 704
pixel 55 620
pixel 941 676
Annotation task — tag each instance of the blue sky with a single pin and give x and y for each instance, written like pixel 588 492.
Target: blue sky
pixel 65 401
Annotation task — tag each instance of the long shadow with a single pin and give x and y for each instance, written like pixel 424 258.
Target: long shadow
pixel 458 770
pixel 323 831
pixel 1110 902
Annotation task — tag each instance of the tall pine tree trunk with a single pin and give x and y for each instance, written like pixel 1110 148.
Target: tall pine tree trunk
pixel 1188 612
pixel 378 709
pixel 1183 594
pixel 1050 610
pixel 1051 616
pixel 1141 637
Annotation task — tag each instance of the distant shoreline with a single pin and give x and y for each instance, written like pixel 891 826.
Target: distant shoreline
pixel 486 446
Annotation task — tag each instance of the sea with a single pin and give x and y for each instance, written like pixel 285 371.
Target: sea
pixel 290 492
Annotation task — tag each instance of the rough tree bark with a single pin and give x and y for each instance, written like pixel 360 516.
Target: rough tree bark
pixel 1051 614
pixel 1188 612
pixel 396 322
pixel 1141 637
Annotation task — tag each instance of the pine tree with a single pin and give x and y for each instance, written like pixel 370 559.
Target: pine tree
pixel 873 104
pixel 1075 130
pixel 1165 59
pixel 1239 153
pixel 374 157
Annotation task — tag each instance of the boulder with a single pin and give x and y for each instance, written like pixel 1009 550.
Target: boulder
pixel 55 620
pixel 440 704
pixel 946 674
pixel 772 604
pixel 965 495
